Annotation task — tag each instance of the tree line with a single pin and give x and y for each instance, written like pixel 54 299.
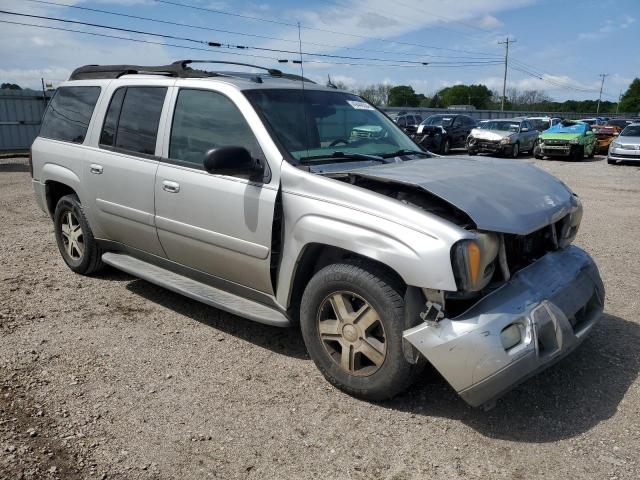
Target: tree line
pixel 483 98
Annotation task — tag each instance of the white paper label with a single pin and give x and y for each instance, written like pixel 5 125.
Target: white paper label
pixel 360 105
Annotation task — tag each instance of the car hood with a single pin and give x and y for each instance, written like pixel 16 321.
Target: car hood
pixel 498 195
pixel 483 134
pixel 560 136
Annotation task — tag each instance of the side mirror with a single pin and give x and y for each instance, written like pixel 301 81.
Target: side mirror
pixel 234 162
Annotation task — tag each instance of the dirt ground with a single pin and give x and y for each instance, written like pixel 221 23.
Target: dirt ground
pixel 113 377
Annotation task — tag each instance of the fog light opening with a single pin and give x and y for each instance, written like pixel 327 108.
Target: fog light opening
pixel 511 336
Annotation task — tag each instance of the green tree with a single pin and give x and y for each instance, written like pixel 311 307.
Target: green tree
pixel 630 101
pixel 10 86
pixel 477 95
pixel 403 96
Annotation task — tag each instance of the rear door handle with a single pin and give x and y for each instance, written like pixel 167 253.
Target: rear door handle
pixel 171 187
pixel 95 169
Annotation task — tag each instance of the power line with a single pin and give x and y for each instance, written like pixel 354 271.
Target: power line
pixel 556 83
pixel 49 27
pixel 232 46
pixel 354 35
pixel 150 42
pixel 231 32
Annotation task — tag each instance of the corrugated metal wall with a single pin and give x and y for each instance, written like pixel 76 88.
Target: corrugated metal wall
pixel 20 115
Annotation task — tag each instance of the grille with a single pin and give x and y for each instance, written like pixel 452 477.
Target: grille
pixel 556 142
pixel 487 143
pixel 523 250
pixel 625 155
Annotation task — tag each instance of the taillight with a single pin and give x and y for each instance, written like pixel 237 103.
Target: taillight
pixel 31 163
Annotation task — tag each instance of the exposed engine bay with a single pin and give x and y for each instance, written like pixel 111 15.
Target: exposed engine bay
pixel 512 252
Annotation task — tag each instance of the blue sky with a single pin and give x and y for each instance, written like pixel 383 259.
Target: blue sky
pixel 565 44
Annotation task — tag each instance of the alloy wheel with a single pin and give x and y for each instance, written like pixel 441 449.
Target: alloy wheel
pixel 352 333
pixel 72 235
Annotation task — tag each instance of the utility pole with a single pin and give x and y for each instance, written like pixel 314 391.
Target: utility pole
pixel 618 104
pixel 506 63
pixel 603 75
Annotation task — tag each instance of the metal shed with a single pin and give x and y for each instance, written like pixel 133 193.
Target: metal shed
pixel 20 115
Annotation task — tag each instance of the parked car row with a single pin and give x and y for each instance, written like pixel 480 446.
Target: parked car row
pixel 540 136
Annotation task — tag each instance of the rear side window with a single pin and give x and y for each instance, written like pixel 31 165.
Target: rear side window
pixel 69 113
pixel 204 120
pixel 132 119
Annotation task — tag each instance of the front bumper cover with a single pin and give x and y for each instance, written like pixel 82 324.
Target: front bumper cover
pixel 554 301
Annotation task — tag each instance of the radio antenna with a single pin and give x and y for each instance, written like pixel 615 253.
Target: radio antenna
pixel 304 98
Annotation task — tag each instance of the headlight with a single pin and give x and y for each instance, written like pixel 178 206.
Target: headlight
pixel 574 141
pixel 615 145
pixel 474 261
pixel 505 141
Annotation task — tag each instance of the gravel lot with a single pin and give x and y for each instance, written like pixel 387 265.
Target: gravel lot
pixel 112 377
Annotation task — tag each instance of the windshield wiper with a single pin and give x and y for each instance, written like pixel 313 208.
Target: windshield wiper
pixel 344 155
pixel 404 151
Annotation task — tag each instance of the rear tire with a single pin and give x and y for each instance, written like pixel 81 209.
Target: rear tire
pixel 74 237
pixel 352 319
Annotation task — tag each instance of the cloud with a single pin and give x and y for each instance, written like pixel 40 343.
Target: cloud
pixel 490 22
pixel 608 27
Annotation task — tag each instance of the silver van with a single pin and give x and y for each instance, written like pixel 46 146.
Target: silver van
pixel 258 194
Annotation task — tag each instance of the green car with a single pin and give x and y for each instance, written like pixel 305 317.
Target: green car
pixel 571 139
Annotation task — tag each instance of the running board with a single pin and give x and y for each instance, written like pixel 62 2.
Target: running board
pixel 196 290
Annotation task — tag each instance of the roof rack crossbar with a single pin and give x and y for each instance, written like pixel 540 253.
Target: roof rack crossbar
pixel 179 69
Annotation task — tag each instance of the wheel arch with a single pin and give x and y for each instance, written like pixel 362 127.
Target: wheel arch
pixel 58 181
pixel 314 257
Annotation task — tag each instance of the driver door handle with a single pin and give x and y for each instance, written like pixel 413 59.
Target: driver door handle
pixel 95 169
pixel 171 187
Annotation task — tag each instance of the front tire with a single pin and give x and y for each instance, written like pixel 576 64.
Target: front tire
pixel 577 154
pixel 515 150
pixel 74 237
pixel 352 321
pixel 446 147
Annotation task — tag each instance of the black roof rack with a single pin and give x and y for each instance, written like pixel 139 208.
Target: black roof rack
pixel 178 69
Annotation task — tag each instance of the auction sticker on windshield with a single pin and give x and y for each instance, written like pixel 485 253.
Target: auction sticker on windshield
pixel 360 105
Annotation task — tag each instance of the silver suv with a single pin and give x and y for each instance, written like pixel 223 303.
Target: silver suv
pixel 257 194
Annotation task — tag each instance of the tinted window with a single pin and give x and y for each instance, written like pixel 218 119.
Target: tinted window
pixel 402 122
pixel 139 118
pixel 108 134
pixel 203 120
pixel 69 113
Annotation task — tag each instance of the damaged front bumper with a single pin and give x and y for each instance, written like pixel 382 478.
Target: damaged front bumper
pixel 554 304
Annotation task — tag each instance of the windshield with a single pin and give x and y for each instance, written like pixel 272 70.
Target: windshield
pixel 539 124
pixel 631 131
pixel 318 124
pixel 438 121
pixel 500 125
pixel 568 126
